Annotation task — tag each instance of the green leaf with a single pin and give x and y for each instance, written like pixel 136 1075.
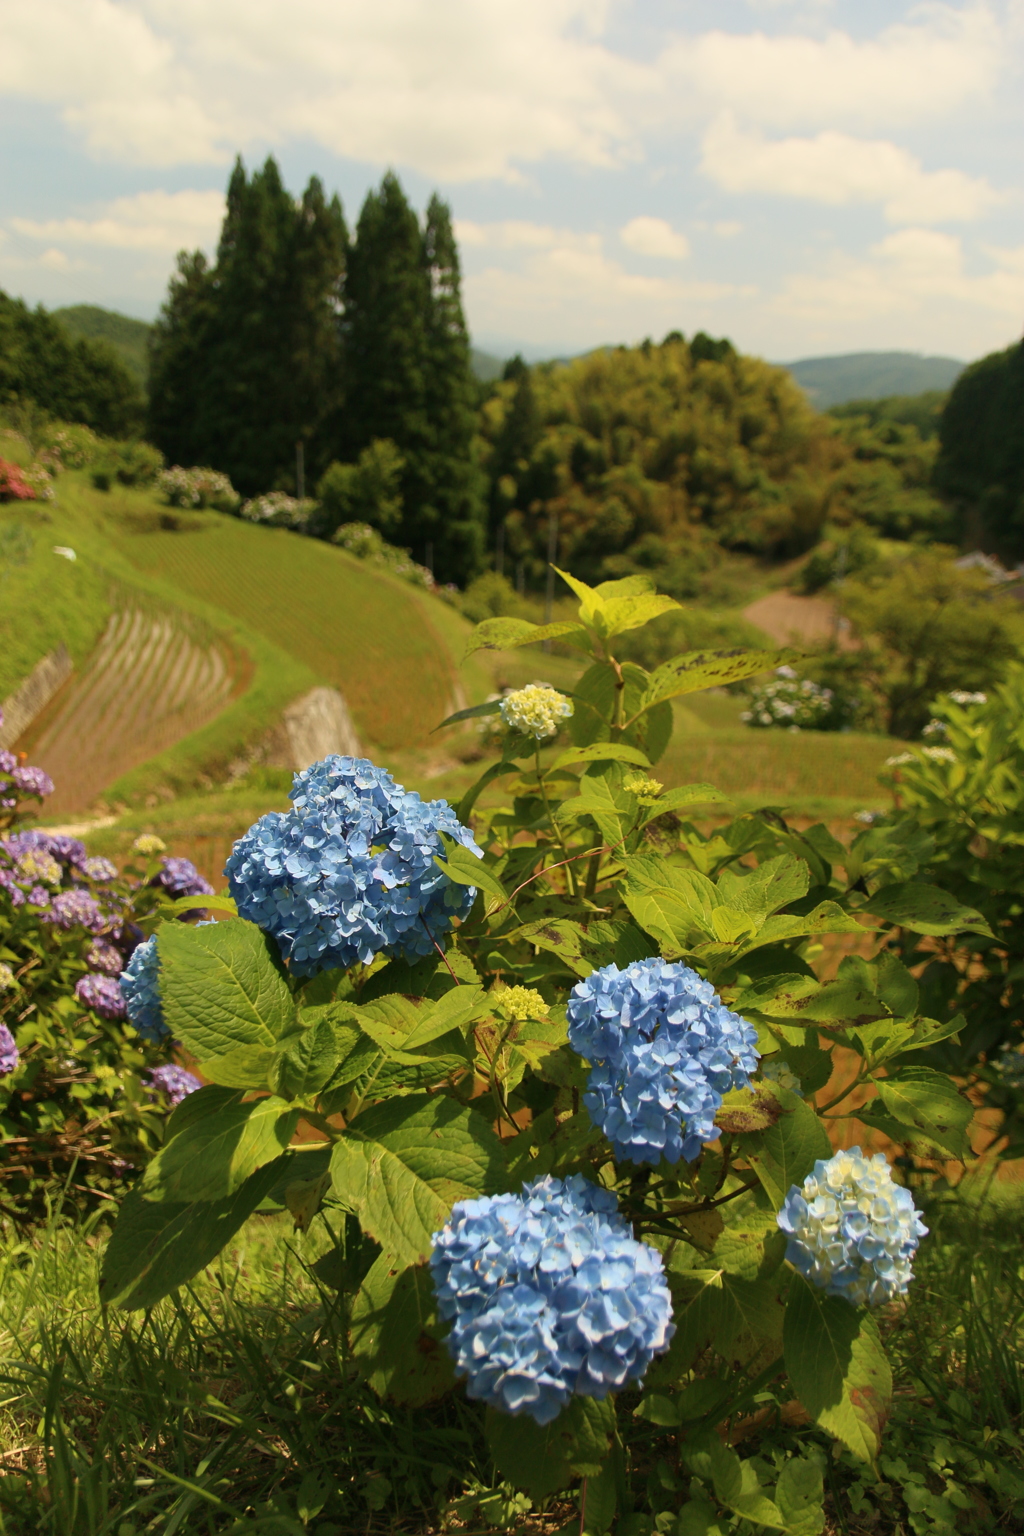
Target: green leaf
pixel 491 707
pixel 695 670
pixel 402 1165
pixel 799 1495
pixel 786 1152
pixel 735 1482
pixel 462 866
pixel 663 914
pixel 837 1366
pixel 213 1157
pixel 928 1103
pixel 541 1458
pixel 925 909
pixel 826 917
pixel 309 1060
pixel 155 1248
pixel 223 987
pixel 624 613
pixel 600 752
pixel 247 1067
pixel 685 795
pixel 560 937
pixel 507 634
pixel 803 997
pixel 603 799
pixel 224 903
pixel 465 806
pixel 396 1334
pixel 772 885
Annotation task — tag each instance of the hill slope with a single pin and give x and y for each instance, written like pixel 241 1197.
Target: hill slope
pixel 129 338
pixel 871 376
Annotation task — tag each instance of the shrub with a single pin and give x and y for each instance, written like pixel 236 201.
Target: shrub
pixel 14 484
pixel 491 596
pixel 365 543
pixel 131 463
pixel 197 488
pixel 68 445
pixel 569 1061
pixel 796 704
pixel 279 510
pixel 368 491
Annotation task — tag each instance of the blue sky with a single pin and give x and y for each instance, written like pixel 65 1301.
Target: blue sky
pixel 806 176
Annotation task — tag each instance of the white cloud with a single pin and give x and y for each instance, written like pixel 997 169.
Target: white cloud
pixel 508 234
pixel 903 280
pixel 908 72
pixel 834 168
pixel 163 222
pixel 727 229
pixel 654 237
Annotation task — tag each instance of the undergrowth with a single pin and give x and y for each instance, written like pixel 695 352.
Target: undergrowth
pixel 231 1407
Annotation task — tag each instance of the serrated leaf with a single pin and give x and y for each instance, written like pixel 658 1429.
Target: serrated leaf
pixel 155 1248
pixel 402 1165
pixel 838 1368
pixel 685 795
pixel 826 917
pixel 925 909
pixel 209 903
pixel 247 1067
pixel 309 1060
pixel 664 915
pixel 508 634
pixel 803 997
pixel 772 885
pixel 600 752
pixel 466 868
pixel 541 1458
pixel 396 1334
pixel 696 670
pixel 928 1103
pixel 211 1158
pixel 624 613
pixel 799 1495
pixel 223 987
pixel 786 1152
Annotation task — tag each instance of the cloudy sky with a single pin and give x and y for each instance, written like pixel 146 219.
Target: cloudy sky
pixel 806 176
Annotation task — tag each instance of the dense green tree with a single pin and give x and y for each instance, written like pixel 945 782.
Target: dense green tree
pixel 245 359
pixel 980 467
pixel 71 378
pixel 368 491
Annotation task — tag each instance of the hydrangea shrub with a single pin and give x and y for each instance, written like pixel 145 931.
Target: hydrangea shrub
pixel 573 1071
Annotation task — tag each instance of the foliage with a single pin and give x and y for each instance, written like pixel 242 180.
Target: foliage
pixel 132 463
pixel 126 336
pixel 886 483
pixel 980 467
pixel 924 627
pixel 792 703
pixel 279 510
pixel 922 411
pixel 68 445
pixel 365 543
pixel 197 488
pixel 368 491
pixel 73 379
pixel 849 553
pixel 79 1105
pixel 439 1081
pixel 491 596
pixel 965 793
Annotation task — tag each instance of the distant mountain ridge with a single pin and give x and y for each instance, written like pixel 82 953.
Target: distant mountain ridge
pixel 831 381
pixel 128 337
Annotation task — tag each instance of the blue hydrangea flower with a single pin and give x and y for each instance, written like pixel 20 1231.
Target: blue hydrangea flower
pixel 548 1294
pixel 140 990
pixel 852 1231
pixel 349 871
pixel 664 1050
pixel 10 1056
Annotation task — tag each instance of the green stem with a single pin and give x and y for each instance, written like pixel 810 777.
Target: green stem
pixel 570 875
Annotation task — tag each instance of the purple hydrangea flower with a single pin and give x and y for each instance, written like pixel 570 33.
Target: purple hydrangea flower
pixel 32 781
pixel 101 993
pixel 181 878
pixel 15 894
pixel 39 896
pixel 99 869
pixel 8 762
pixel 174 1081
pixel 106 958
pixel 68 850
pixel 77 908
pixel 9 1053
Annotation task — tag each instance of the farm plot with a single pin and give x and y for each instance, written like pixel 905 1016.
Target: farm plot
pixel 147 685
pixel 363 633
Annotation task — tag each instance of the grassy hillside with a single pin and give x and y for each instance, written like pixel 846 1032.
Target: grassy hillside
pixel 283 612
pixel 871 376
pixel 128 337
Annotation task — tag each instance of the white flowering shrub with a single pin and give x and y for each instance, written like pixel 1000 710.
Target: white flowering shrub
pixel 197 488
pixel 279 510
pixel 366 543
pixel 792 703
pixel 68 445
pixel 564 1056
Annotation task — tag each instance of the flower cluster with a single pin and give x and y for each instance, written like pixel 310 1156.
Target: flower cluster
pixel 141 993
pixel 781 1072
pixel 10 1056
pixel 794 703
pixel 148 844
pixel 69 446
pixel 7 979
pixel 13 483
pixel 549 1295
pixel 366 543
pixel 279 510
pixel 664 1051
pixel 961 696
pixel 197 488
pixel 932 754
pixel 179 877
pixel 349 871
pixel 74 908
pixel 520 1003
pixel 646 789
pixel 536 710
pixel 174 1081
pixel 101 993
pixel 1009 1065
pixel 106 958
pixel 852 1231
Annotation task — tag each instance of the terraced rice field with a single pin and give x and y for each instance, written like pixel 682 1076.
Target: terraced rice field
pixel 147 685
pixel 367 635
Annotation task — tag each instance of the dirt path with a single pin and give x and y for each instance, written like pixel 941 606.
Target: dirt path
pixel 784 616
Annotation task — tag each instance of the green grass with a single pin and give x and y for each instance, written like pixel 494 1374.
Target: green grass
pixel 233 1405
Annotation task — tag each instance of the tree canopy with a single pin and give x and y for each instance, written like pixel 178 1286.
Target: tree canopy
pixel 980 467
pixel 71 378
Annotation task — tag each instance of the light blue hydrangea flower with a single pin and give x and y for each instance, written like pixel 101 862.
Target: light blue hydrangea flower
pixel 140 990
pixel 852 1231
pixel 349 871
pixel 664 1050
pixel 549 1295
